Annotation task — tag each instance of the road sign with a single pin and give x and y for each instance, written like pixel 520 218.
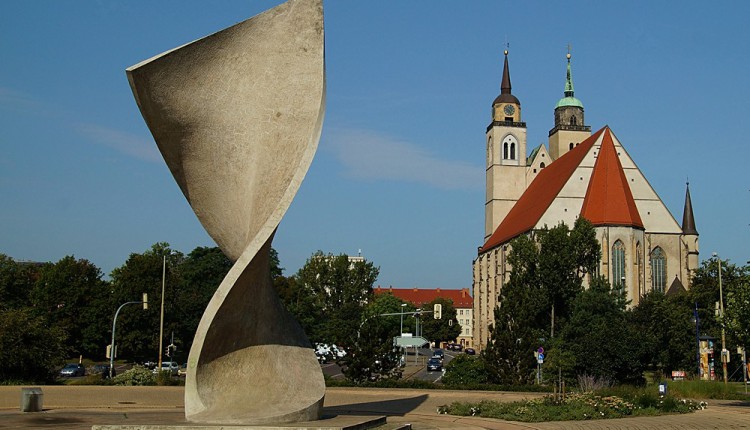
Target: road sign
pixel 540 358
pixel 413 341
pixel 540 350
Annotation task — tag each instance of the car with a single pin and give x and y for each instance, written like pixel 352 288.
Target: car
pixel 326 353
pixel 470 351
pixel 103 369
pixel 168 366
pixel 183 370
pixel 439 354
pixel 73 369
pixel 434 364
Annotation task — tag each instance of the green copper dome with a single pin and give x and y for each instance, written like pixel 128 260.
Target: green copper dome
pixel 569 99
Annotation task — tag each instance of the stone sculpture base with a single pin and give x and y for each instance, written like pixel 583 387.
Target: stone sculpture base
pixel 344 422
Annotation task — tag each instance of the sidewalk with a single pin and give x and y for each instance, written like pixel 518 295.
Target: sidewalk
pixel 80 407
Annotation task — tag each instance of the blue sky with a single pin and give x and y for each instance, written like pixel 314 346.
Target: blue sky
pixel 399 172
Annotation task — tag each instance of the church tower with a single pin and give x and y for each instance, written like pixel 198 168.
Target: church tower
pixel 569 129
pixel 506 155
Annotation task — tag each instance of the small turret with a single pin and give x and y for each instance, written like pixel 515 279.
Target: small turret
pixel 689 234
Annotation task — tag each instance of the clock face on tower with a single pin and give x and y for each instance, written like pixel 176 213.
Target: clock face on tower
pixel 509 110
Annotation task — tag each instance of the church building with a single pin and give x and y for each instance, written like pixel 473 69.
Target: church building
pixel 577 174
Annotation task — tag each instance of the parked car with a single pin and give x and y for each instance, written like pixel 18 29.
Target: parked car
pixel 73 369
pixel 168 366
pixel 434 364
pixel 470 351
pixel 439 354
pixel 103 369
pixel 326 353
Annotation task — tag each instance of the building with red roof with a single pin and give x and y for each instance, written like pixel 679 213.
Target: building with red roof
pixel 420 297
pixel 581 175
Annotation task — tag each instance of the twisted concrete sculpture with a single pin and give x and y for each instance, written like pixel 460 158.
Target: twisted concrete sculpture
pixel 237 116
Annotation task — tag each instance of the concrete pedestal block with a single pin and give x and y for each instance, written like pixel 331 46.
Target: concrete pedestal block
pixel 32 399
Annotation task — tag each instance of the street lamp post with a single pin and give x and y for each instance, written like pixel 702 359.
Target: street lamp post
pixel 144 302
pixel 401 333
pixel 724 352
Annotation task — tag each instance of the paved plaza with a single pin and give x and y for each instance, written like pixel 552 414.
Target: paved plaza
pixel 80 407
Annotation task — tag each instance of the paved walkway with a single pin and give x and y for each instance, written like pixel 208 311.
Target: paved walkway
pixel 80 407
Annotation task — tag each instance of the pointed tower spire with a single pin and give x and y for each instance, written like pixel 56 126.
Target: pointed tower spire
pixel 505 85
pixel 688 221
pixel 569 99
pixel 505 89
pixel 569 92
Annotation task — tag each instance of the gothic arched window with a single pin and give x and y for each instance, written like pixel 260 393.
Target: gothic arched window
pixel 573 120
pixel 618 265
pixel 513 151
pixel 505 151
pixel 658 270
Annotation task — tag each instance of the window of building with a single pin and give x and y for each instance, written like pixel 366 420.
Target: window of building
pixel 571 145
pixel 618 265
pixel 541 165
pixel 513 151
pixel 505 150
pixel 658 269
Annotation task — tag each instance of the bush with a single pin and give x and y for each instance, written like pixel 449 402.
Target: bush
pixel 137 375
pixel 590 383
pixel 584 406
pixel 465 370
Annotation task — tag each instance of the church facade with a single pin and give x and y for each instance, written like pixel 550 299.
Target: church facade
pixel 579 173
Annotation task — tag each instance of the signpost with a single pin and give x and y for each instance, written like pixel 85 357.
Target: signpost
pixel 539 354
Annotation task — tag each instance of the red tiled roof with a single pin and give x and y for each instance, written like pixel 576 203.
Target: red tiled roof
pixel 421 296
pixel 609 200
pixel 540 194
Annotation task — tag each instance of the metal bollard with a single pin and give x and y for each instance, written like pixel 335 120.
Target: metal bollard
pixel 31 399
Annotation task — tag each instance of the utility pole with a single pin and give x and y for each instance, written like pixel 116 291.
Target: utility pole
pixel 724 352
pixel 161 319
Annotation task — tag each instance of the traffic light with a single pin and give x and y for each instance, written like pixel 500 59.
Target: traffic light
pixel 437 311
pixel 109 351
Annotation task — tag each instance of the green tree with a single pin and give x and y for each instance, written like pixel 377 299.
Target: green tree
pixel 565 258
pixel 137 336
pixel 667 334
pixel 548 269
pixel 599 338
pixel 16 282
pixel 445 329
pixel 705 293
pixel 508 355
pixel 201 273
pixel 338 291
pixel 373 356
pixel 72 296
pixel 737 313
pixel 30 348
